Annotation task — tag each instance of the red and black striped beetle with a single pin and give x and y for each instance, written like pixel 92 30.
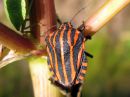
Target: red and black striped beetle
pixel 66 56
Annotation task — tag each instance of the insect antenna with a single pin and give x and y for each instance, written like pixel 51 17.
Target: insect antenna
pixel 48 30
pixel 58 20
pixel 86 6
pixel 77 13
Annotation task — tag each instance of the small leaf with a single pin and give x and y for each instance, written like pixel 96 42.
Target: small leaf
pixel 16 11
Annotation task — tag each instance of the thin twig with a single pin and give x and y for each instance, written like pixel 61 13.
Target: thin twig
pixel 12 40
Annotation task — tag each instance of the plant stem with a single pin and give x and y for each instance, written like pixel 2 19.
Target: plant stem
pixel 40 75
pixel 43 13
pixel 104 15
pixel 12 40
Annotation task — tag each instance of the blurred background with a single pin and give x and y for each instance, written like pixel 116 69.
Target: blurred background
pixel 108 72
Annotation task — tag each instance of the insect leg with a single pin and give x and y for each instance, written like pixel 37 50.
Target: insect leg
pixel 82 29
pixel 88 54
pixel 58 20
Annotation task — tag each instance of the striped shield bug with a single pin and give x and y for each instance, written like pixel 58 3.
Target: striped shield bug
pixel 66 56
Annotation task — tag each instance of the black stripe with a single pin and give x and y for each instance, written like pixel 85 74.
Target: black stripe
pixel 51 52
pixel 51 70
pixel 47 41
pixel 84 67
pixel 52 37
pixel 66 49
pixel 66 25
pixel 58 54
pixel 49 64
pixel 77 49
pixel 48 60
pixel 72 36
